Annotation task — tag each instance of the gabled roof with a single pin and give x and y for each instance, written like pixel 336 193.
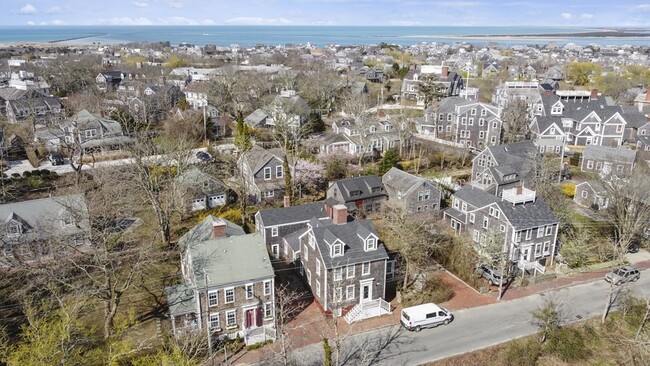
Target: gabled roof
pixel 402 181
pixel 618 154
pixel 349 234
pixel 255 118
pixel 203 230
pixel 364 185
pixel 520 216
pixel 257 157
pixel 292 214
pixel 232 260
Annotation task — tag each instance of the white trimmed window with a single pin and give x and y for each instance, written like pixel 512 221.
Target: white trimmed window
pixel 279 172
pixel 249 291
pixel 267 288
pixel 583 194
pixel 214 322
pixel 337 250
pixel 538 250
pixel 213 298
pixel 371 244
pixel 547 247
pixel 471 218
pixel 231 318
pixel 349 292
pixel 540 232
pixel 486 223
pixel 549 229
pixel 365 268
pixel 502 228
pixel 268 310
pixel 338 274
pixel 274 231
pixel 229 295
pixel 267 173
pixel 318 288
pixel 317 267
pixel 338 294
pixel 590 164
pixel 349 271
pixel 529 234
pixel 476 236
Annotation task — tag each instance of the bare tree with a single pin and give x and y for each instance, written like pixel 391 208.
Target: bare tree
pixel 613 294
pixel 493 251
pixel 321 86
pixel 515 121
pixel 628 210
pixel 548 317
pixel 288 303
pixel 357 107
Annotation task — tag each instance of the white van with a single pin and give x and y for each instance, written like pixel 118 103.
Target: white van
pixel 425 316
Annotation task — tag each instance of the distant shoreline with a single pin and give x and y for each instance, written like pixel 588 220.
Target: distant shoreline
pixel 77 38
pixel 600 34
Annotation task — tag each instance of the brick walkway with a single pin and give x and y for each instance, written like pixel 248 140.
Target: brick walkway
pixel 310 326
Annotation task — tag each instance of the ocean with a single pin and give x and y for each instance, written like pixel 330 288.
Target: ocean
pixel 319 36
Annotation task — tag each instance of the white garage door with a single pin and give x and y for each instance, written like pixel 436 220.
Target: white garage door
pixel 218 200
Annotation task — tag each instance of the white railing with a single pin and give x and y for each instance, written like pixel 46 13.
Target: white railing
pixel 536 266
pixel 518 195
pixel 385 306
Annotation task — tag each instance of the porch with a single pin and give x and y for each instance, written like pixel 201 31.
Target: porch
pixel 259 334
pixel 368 309
pixel 535 266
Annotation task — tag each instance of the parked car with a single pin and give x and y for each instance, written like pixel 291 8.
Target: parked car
pixel 56 158
pixel 491 274
pixel 621 275
pixel 416 318
pixel 203 156
pixel 475 150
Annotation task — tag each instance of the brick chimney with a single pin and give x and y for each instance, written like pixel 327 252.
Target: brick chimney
pixel 287 201
pixel 594 94
pixel 519 190
pixel 444 71
pixel 218 229
pixel 339 214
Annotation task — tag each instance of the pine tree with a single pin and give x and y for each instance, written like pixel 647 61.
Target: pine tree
pixel 242 135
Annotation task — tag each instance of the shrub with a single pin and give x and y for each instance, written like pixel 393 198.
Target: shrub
pixel 568 344
pixel 575 159
pixel 36 172
pixel 258 345
pixel 27 174
pixel 15 175
pixel 525 352
pixel 569 189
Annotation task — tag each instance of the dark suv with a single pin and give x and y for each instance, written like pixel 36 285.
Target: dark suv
pixel 491 274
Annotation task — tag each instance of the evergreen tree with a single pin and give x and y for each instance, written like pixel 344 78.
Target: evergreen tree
pixel 389 160
pixel 242 134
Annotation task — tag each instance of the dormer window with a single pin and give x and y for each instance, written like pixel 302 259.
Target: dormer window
pixel 371 244
pixel 556 109
pixel 337 250
pixel 279 172
pixel 90 133
pixel 373 128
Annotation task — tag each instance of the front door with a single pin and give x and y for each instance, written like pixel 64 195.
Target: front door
pixel 366 291
pixel 525 254
pixel 251 319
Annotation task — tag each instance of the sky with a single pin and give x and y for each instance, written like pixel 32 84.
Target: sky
pixel 560 13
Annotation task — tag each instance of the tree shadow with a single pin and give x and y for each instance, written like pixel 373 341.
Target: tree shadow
pixel 387 347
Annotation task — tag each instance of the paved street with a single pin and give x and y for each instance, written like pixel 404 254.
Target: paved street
pixel 471 329
pixel 20 166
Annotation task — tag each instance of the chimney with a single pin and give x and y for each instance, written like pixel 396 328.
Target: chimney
pixel 519 190
pixel 445 71
pixel 594 94
pixel 339 214
pixel 380 113
pixel 287 201
pixel 101 113
pixel 218 229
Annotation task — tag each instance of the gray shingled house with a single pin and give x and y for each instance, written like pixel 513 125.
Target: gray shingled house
pixel 528 226
pixel 344 263
pixel 606 161
pixel 414 194
pixel 504 166
pixel 43 229
pixel 228 285
pixel 591 194
pixel 278 224
pixel 200 190
pixel 263 173
pixel 362 195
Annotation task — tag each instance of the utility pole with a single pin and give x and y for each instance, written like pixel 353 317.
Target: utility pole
pixel 205 126
pixel 207 315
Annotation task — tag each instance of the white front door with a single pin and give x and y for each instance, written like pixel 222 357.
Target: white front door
pixel 365 291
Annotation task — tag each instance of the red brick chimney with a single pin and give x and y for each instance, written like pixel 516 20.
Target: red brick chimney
pixel 519 190
pixel 287 201
pixel 594 94
pixel 445 71
pixel 218 229
pixel 339 214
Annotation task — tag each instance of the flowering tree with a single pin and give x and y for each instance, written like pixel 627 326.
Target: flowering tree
pixel 309 175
